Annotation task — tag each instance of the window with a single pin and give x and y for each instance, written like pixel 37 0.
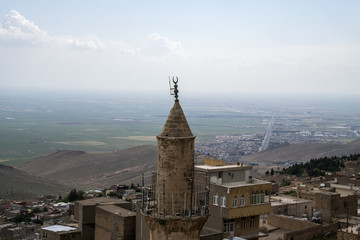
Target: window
pixel 253 198
pixel 243 223
pixel 223 201
pixel 44 235
pixel 262 197
pixel 257 198
pixel 252 222
pixel 229 225
pixel 235 201
pixel 215 200
pixel 242 201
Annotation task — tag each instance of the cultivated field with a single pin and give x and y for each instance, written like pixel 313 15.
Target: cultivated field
pixel 37 124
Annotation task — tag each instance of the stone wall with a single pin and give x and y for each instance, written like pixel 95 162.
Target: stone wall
pixel 289 223
pixel 347 236
pixel 111 222
pixel 175 167
pixel 175 228
pixel 300 230
pixel 311 232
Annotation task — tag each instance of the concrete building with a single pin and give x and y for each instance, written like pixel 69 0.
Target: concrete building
pixel 175 208
pixel 236 199
pixel 113 222
pixel 60 232
pixel 85 211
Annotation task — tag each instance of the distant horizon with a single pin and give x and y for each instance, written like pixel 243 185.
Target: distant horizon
pixel 165 93
pixel 214 47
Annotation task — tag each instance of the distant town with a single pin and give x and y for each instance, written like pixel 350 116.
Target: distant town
pixel 280 131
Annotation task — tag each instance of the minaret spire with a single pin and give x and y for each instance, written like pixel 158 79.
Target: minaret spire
pixel 175 88
pixel 179 208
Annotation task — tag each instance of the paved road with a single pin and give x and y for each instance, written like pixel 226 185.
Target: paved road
pixel 265 142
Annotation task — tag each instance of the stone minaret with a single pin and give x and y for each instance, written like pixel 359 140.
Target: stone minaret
pixel 176 215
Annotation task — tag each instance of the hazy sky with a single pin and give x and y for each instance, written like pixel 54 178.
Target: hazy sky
pixel 221 46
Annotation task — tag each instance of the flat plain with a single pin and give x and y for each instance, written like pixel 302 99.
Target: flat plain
pixel 40 123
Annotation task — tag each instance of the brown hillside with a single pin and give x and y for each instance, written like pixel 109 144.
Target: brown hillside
pixel 16 184
pixel 302 152
pixel 94 170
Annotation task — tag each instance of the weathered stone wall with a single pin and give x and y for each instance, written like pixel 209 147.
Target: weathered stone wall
pixel 309 233
pixel 175 167
pixel 294 209
pixel 346 236
pixel 332 205
pixel 300 230
pixel 288 223
pixel 175 228
pixel 112 226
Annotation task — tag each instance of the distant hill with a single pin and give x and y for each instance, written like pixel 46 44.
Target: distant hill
pixel 16 184
pixel 302 152
pixel 78 168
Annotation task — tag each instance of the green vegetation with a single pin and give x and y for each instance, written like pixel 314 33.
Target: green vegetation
pixel 74 196
pixel 291 193
pixel 285 182
pixel 25 216
pixel 114 194
pixel 318 167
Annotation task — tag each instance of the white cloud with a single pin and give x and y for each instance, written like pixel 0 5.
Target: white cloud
pixel 18 31
pixel 165 46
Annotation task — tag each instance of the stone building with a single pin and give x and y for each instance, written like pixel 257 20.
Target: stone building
pixel 292 206
pixel 349 233
pixel 60 232
pixel 175 208
pixel 236 199
pixel 85 211
pixel 332 204
pixel 113 222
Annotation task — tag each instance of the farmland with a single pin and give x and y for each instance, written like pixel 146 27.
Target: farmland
pixel 39 123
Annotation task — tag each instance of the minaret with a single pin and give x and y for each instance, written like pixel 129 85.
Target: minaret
pixel 180 213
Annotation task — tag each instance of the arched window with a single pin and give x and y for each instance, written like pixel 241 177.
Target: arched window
pixel 235 201
pixel 242 200
pixel 223 201
pixel 215 199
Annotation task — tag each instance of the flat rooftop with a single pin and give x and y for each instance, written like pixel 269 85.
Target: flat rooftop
pixel 60 228
pixel 284 200
pixel 117 210
pixel 101 200
pixel 232 167
pixel 244 183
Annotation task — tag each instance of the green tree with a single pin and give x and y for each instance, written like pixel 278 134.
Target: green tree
pixel 74 195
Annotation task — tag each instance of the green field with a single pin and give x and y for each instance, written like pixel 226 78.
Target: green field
pixel 38 123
